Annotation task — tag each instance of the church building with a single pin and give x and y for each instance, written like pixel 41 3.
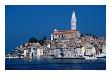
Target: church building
pixel 67 34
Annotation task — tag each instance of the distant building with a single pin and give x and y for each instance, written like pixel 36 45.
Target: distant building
pixel 90 51
pixel 33 52
pixel 40 52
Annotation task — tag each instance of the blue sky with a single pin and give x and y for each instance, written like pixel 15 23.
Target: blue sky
pixel 23 22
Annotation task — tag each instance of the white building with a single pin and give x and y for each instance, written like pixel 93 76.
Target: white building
pixel 25 52
pixel 83 51
pixel 40 53
pixel 33 53
pixel 79 51
pixel 104 49
pixel 90 51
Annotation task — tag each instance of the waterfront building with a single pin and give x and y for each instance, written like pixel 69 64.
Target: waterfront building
pixel 40 52
pixel 25 52
pixel 104 49
pixel 90 51
pixel 79 51
pixel 33 53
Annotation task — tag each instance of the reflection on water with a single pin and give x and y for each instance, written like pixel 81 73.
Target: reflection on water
pixel 55 64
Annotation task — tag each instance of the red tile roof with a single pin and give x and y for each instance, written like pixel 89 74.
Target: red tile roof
pixel 64 32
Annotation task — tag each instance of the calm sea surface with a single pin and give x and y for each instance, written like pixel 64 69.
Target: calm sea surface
pixel 55 64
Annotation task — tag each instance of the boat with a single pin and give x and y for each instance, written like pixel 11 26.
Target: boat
pixel 68 58
pixel 101 56
pixel 90 57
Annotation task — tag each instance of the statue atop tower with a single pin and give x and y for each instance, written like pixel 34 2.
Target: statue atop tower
pixel 73 21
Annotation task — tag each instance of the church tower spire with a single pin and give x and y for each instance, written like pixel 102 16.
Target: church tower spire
pixel 73 21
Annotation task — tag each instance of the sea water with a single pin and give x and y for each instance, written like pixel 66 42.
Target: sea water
pixel 55 64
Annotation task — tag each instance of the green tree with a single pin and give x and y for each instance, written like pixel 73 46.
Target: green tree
pixel 45 38
pixel 33 40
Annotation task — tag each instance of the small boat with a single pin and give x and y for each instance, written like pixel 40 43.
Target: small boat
pixel 101 56
pixel 69 58
pixel 92 58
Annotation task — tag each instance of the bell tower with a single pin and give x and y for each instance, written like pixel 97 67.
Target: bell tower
pixel 73 21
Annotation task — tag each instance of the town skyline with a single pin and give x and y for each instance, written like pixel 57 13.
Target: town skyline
pixel 26 24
